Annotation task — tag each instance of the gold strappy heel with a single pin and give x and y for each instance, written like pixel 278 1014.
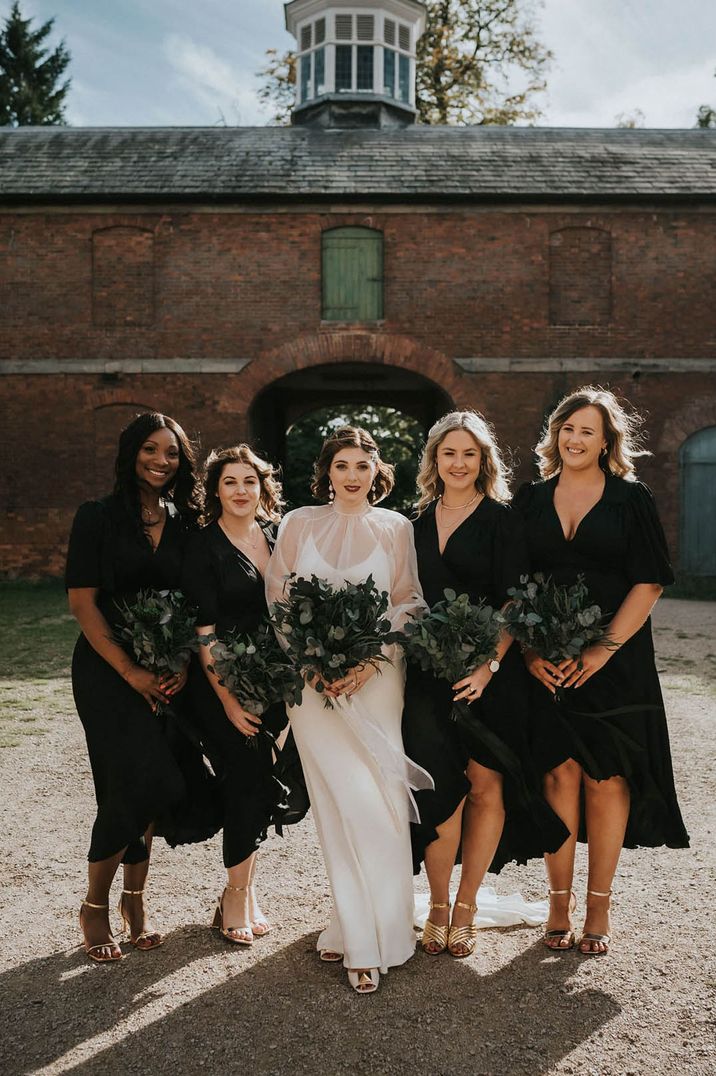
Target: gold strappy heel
pixel 231 933
pixel 465 937
pixel 155 939
pixel 111 944
pixel 434 934
pixel 568 934
pixel 604 939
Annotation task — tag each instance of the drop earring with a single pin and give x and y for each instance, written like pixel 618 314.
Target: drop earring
pixel 331 491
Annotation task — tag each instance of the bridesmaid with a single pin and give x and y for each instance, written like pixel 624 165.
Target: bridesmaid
pixel 605 737
pixel 223 574
pixel 131 540
pixel 469 539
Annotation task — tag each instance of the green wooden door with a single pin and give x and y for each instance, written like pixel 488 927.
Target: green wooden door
pixel 352 274
pixel 698 503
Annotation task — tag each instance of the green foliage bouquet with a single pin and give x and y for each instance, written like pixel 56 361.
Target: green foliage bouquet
pixel 158 630
pixel 255 670
pixel 556 621
pixel 329 630
pixel 454 638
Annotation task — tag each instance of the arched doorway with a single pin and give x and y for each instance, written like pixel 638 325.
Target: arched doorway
pixel 697 464
pixel 347 388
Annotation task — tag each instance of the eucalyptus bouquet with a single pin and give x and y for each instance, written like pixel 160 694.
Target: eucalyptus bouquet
pixel 328 630
pixel 454 638
pixel 556 621
pixel 159 630
pixel 255 670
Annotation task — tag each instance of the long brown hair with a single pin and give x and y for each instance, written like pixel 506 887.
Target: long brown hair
pixel 270 500
pixel 622 433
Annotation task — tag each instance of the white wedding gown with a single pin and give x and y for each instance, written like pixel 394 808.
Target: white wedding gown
pixel 357 775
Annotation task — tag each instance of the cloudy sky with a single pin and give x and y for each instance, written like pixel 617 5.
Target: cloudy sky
pixel 179 62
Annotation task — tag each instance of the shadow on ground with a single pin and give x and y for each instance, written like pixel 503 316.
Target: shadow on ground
pixel 288 1013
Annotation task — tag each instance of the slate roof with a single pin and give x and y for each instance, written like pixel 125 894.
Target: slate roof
pixel 435 164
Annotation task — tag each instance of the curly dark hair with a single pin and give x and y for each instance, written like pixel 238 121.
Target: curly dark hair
pixel 351 437
pixel 270 501
pixel 183 490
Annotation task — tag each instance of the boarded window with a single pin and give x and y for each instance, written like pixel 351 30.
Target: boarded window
pixel 697 460
pixel 352 274
pixel 122 277
pixel 580 277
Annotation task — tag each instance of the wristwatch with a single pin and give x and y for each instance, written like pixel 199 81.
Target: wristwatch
pixel 494 665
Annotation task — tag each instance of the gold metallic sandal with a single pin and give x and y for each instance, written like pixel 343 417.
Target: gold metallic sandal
pixel 434 934
pixel 231 933
pixel 364 982
pixel 465 937
pixel 111 944
pixel 155 939
pixel 604 939
pixel 568 934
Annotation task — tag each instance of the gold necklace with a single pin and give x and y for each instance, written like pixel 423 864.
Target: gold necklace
pixel 244 541
pixel 457 507
pixel 453 523
pixel 147 520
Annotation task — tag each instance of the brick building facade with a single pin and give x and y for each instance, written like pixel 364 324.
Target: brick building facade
pixel 185 270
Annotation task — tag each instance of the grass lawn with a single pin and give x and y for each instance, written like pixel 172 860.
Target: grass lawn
pixel 37 635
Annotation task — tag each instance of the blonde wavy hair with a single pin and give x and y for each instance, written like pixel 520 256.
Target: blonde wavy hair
pixel 270 500
pixel 494 473
pixel 622 433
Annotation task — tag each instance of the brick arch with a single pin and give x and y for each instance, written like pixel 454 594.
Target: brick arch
pixel 694 416
pixel 326 348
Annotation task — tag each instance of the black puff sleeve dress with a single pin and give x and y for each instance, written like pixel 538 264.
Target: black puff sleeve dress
pixel 483 557
pixel 229 591
pixel 138 777
pixel 615 724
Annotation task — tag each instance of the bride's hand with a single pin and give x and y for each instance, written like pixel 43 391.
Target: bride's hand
pixel 353 681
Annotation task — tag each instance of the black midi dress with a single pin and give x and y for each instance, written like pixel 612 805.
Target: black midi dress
pixel 140 771
pixel 229 592
pixel 483 556
pixel 615 723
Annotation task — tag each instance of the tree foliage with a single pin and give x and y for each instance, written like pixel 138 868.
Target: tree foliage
pixel 478 62
pixel 706 116
pixel 399 437
pixel 31 91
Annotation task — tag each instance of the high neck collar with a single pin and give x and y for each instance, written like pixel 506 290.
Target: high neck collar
pixel 361 510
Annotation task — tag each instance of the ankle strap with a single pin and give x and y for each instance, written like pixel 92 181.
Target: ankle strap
pixel 132 892
pixel 236 888
pixel 559 892
pixel 89 904
pixel 461 904
pixel 596 893
pixel 440 904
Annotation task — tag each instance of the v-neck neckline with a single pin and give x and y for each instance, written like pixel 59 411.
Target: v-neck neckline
pixel 565 539
pixel 452 534
pixel 241 552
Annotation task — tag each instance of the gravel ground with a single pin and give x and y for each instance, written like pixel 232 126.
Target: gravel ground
pixel 200 1004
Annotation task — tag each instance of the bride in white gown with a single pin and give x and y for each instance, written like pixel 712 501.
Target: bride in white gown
pixel 358 777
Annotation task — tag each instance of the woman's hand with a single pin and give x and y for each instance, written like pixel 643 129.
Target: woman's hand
pixel 147 684
pixel 471 687
pixel 241 719
pixel 171 683
pixel 548 674
pixel 353 681
pixel 576 672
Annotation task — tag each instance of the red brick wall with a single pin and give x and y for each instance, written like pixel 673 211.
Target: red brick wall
pixel 212 285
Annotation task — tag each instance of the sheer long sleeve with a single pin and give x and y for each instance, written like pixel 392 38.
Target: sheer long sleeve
pixel 285 555
pixel 406 594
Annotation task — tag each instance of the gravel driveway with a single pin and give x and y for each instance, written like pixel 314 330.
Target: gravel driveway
pixel 199 1004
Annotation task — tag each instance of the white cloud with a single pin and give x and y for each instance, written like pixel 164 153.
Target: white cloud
pixel 212 81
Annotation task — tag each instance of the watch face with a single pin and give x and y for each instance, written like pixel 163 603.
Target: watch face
pixel 494 665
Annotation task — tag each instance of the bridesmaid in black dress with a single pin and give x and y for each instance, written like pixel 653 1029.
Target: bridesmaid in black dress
pixel 131 540
pixel 486 795
pixel 603 740
pixel 223 574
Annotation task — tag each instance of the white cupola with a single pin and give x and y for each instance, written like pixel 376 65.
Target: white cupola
pixel 355 61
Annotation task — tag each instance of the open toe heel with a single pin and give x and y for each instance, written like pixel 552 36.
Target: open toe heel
pixel 433 935
pixel 565 939
pixel 590 937
pixel 462 940
pixel 237 935
pixel 147 939
pixel 364 982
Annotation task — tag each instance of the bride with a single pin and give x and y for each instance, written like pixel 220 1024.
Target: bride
pixel 358 778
